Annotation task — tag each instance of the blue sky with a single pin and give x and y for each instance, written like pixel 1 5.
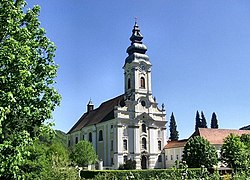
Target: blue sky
pixel 200 51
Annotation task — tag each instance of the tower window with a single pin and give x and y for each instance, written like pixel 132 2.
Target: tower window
pixel 129 85
pixel 142 82
pixel 90 137
pixel 125 145
pixel 100 135
pixel 144 143
pixel 144 129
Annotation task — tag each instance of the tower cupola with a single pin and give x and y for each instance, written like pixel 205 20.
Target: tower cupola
pixel 137 49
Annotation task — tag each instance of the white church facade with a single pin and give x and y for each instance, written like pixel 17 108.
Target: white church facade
pixel 129 126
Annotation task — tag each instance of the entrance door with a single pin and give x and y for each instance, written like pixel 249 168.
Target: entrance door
pixel 144 162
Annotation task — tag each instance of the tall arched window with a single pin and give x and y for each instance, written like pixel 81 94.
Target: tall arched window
pixel 100 135
pixel 142 82
pixel 76 140
pixel 129 85
pixel 144 143
pixel 143 127
pixel 159 145
pixel 90 137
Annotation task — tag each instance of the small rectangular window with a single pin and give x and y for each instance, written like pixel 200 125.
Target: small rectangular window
pixel 76 141
pixel 177 157
pixel 125 145
pixel 112 145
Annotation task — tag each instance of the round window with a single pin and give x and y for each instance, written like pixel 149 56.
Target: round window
pixel 143 103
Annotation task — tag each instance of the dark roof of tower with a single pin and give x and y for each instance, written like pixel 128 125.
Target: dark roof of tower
pixel 103 113
pixel 137 49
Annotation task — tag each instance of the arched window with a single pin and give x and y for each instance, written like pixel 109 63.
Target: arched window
pixel 142 82
pixel 129 85
pixel 90 137
pixel 159 158
pixel 144 143
pixel 100 135
pixel 76 140
pixel 159 145
pixel 125 144
pixel 144 128
pixel 83 137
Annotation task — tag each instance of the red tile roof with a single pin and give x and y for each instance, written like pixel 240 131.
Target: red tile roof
pixel 176 144
pixel 103 113
pixel 217 136
pixel 214 136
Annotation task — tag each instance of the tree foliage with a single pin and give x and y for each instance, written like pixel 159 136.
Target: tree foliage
pixel 27 70
pixel 27 95
pixel 214 121
pixel 235 151
pixel 203 121
pixel 174 134
pixel 199 152
pixel 197 121
pixel 83 153
pixel 128 165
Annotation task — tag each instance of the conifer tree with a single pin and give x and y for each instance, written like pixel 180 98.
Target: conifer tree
pixel 174 134
pixel 197 120
pixel 214 121
pixel 203 120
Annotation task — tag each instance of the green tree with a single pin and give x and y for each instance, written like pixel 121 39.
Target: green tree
pixel 198 151
pixel 174 134
pixel 214 121
pixel 203 120
pixel 83 153
pixel 197 121
pixel 27 95
pixel 235 153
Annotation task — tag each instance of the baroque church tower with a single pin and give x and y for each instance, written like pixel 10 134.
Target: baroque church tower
pixel 129 126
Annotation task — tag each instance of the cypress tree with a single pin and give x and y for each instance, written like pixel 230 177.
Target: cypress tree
pixel 197 120
pixel 174 134
pixel 203 120
pixel 214 121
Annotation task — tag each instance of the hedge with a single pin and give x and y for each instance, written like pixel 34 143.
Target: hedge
pixel 174 173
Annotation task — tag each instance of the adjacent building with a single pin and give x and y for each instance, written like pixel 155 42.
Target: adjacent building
pixel 174 149
pixel 131 125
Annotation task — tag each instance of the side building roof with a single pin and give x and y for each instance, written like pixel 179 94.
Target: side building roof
pixel 103 113
pixel 217 136
pixel 176 144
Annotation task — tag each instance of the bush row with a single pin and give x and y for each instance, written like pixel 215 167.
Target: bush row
pixel 173 174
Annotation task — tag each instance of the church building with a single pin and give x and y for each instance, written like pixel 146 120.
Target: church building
pixel 131 125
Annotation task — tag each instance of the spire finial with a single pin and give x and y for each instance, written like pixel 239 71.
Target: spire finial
pixel 136 20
